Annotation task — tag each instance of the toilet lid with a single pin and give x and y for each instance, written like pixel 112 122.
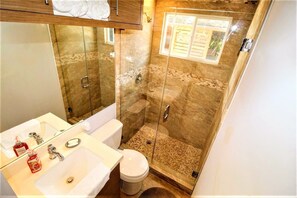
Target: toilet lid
pixel 134 164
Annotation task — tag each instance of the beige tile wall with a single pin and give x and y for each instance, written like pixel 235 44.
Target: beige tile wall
pixel 193 90
pixel 135 51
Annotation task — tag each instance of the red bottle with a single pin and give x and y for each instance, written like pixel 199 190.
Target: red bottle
pixel 20 147
pixel 33 161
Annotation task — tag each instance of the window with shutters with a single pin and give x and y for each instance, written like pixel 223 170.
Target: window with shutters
pixel 194 37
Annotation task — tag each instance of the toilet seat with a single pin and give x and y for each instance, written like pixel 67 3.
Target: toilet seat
pixel 134 166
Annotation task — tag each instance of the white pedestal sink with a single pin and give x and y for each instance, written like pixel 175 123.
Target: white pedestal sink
pixel 82 173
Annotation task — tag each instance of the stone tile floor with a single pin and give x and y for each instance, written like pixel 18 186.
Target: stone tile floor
pixel 154 181
pixel 174 155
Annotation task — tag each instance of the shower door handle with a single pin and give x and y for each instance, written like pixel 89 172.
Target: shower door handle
pixel 166 113
pixel 84 82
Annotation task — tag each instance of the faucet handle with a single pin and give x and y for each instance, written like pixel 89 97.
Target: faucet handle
pixel 51 149
pixel 32 134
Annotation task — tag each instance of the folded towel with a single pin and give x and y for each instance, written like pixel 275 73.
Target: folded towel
pixel 22 131
pixel 98 9
pixel 91 9
pixel 9 153
pixel 63 5
pixel 93 183
pixel 79 9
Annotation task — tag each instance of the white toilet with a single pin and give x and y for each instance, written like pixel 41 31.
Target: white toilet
pixel 134 166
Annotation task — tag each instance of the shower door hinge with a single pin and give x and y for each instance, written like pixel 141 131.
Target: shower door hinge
pixel 195 174
pixel 246 45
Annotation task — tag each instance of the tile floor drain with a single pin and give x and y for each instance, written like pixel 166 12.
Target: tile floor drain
pixel 148 142
pixel 69 180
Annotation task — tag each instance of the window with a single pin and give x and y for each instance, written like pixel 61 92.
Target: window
pixel 194 37
pixel 109 36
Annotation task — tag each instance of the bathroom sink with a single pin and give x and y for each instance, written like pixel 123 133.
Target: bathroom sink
pixel 81 173
pixel 47 131
pixel 43 129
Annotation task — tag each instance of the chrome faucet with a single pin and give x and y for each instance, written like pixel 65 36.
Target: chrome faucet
pixel 37 137
pixel 53 153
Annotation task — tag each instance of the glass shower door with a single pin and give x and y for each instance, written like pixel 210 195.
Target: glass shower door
pixel 99 68
pixel 69 46
pixel 85 63
pixel 140 96
pixel 202 47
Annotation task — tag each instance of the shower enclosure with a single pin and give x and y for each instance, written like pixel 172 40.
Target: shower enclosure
pixel 173 77
pixel 85 64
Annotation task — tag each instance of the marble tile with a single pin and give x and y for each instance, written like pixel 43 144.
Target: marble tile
pixel 193 89
pixel 67 33
pixel 170 152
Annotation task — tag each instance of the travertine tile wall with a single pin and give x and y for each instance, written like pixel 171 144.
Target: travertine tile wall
pixel 77 55
pixel 193 90
pixel 134 50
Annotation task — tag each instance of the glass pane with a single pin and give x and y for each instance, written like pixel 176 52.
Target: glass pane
pixel 210 36
pixel 167 39
pixel 194 88
pixel 169 105
pixel 139 108
pixel 111 35
pixel 200 44
pixel 181 40
pixel 69 50
pixel 215 45
pixel 100 69
pixel 141 98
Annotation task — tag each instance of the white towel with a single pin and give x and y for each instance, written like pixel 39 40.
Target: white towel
pixel 22 131
pixel 79 9
pixel 90 9
pixel 9 153
pixel 63 6
pixel 98 9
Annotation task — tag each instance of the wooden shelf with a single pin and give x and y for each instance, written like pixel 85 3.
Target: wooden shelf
pixel 36 11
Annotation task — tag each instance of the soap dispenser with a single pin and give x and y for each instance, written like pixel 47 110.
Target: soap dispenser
pixel 20 147
pixel 33 161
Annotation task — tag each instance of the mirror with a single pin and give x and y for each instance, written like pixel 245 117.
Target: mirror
pixel 52 76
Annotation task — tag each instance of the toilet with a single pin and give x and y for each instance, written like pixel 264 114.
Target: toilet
pixel 134 166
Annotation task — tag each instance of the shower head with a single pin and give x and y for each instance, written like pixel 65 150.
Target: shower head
pixel 148 18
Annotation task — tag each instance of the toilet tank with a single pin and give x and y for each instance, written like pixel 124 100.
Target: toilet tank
pixel 110 133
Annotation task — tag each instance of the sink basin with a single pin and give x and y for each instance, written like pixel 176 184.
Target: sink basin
pixel 44 129
pixel 47 131
pixel 81 173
